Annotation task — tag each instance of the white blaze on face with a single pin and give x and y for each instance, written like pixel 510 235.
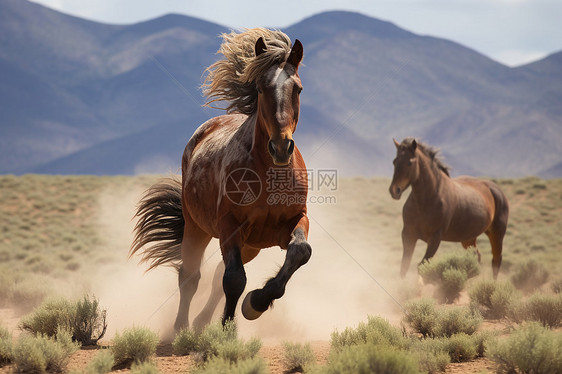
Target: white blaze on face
pixel 281 81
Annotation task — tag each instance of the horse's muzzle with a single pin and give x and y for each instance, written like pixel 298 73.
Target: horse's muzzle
pixel 281 151
pixel 395 192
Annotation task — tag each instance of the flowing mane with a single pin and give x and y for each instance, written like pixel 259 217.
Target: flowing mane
pixel 431 152
pixel 233 78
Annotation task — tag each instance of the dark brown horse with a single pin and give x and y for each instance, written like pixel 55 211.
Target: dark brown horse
pixel 227 170
pixel 444 208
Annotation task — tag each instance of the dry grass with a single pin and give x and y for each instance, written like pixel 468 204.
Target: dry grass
pixel 50 232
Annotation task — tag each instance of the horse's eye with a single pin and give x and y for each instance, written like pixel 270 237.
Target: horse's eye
pixel 299 90
pixel 258 88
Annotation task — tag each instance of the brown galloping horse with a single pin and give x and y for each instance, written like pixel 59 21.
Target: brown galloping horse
pixel 225 167
pixel 443 208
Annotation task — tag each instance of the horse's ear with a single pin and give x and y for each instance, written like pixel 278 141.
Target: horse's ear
pixel 414 145
pixel 396 143
pixel 260 46
pixel 296 54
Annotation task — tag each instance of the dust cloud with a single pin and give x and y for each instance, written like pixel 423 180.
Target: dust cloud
pixel 353 271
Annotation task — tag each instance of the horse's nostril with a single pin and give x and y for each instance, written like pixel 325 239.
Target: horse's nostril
pixel 291 147
pixel 397 190
pixel 271 148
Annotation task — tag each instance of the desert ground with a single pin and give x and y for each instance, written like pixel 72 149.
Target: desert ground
pixel 71 235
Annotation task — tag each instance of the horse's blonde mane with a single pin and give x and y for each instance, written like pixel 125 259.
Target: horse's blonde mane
pixel 233 78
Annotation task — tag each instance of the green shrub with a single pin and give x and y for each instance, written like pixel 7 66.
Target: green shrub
pixel 426 319
pixel 531 348
pixel 185 342
pixel 297 357
pixel 493 299
pixel 503 299
pixel 460 319
pixel 369 358
pixel 376 331
pixel 6 346
pixel 83 318
pixel 431 355
pixel 481 293
pixel 450 273
pixel 53 314
pixel 144 368
pixel 452 283
pixel 39 354
pixel 89 323
pixel 134 345
pixel 461 347
pixel 217 365
pixel 217 341
pixel 543 308
pixel 529 275
pixel 421 315
pixel 482 340
pixel 102 363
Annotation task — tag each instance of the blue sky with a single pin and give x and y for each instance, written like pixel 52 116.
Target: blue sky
pixel 510 31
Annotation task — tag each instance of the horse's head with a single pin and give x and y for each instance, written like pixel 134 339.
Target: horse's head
pixel 278 103
pixel 406 168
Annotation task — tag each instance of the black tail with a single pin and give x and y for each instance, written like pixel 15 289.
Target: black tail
pixel 159 230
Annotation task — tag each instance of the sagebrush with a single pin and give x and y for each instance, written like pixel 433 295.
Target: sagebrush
pixel 39 354
pixel 370 358
pixel 217 365
pixel 102 363
pixel 84 318
pixel 216 340
pixel 541 307
pixel 450 273
pixel 529 275
pixel 425 318
pixel 6 346
pixel 494 299
pixel 377 330
pixel 297 357
pixel 531 348
pixel 134 345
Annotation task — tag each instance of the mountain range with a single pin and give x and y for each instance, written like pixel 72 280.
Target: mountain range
pixel 81 97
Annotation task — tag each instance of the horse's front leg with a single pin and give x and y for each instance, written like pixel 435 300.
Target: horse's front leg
pixel 409 240
pixel 234 278
pixel 298 253
pixel 432 245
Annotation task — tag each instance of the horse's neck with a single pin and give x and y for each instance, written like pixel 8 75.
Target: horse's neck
pixel 427 186
pixel 260 139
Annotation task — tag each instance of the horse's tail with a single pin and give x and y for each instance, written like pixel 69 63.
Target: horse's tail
pixel 159 230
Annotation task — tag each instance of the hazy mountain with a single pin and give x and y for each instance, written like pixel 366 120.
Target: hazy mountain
pixel 84 97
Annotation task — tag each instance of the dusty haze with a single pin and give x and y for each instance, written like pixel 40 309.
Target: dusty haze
pixel 355 256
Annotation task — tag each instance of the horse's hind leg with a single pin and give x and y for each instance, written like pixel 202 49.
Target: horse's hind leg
pixel 258 301
pixel 193 247
pixel 496 241
pixel 217 293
